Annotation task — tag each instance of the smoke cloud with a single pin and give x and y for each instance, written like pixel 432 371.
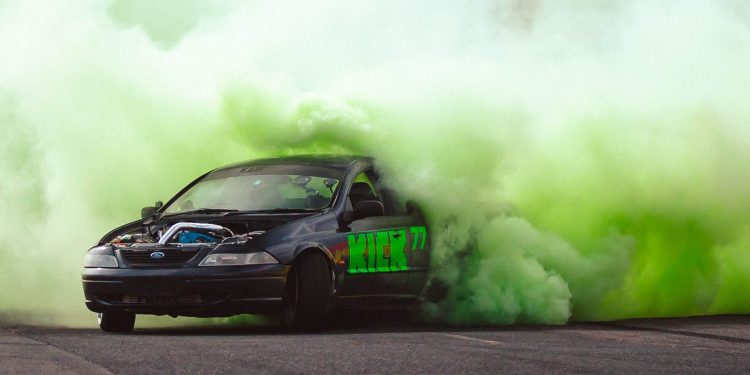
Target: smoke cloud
pixel 576 160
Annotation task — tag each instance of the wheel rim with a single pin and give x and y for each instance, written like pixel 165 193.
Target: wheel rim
pixel 99 318
pixel 291 297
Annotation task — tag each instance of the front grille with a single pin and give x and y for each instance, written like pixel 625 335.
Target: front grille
pixel 128 299
pixel 172 257
pixel 155 300
pixel 162 300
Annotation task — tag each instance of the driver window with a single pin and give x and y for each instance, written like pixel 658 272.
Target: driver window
pixel 362 189
pixel 367 186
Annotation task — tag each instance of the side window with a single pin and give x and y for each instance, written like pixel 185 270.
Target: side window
pixel 363 188
pixel 368 186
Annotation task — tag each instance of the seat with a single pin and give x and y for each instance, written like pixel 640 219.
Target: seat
pixel 361 191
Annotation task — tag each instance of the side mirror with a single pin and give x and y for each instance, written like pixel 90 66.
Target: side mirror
pixel 147 212
pixel 368 208
pixel 150 211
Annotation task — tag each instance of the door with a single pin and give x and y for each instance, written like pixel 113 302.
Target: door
pixel 378 245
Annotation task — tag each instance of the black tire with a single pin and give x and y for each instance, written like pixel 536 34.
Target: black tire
pixel 116 321
pixel 307 292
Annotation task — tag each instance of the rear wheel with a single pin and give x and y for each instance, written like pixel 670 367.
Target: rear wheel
pixel 116 321
pixel 307 291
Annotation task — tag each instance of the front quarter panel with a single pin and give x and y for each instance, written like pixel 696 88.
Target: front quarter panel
pixel 289 240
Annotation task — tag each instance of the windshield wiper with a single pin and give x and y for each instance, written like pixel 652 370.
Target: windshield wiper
pixel 202 211
pixel 274 211
pixel 284 210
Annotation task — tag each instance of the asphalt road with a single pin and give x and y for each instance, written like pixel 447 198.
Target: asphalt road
pixel 717 345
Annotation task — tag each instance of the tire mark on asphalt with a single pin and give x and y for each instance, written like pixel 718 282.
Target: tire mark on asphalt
pixel 676 332
pixel 96 366
pixel 469 338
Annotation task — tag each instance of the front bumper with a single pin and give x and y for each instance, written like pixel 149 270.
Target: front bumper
pixel 187 291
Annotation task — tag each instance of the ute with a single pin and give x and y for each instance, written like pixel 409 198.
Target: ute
pixel 296 236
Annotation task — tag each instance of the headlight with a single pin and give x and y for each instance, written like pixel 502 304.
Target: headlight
pixel 99 261
pixel 100 257
pixel 225 259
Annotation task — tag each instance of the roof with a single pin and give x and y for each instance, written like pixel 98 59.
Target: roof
pixel 332 161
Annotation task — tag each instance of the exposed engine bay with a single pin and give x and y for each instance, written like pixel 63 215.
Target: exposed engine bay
pixel 182 233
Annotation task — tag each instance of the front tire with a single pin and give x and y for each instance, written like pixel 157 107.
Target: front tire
pixel 116 321
pixel 307 292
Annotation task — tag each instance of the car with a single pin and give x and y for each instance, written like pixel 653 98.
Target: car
pixel 296 236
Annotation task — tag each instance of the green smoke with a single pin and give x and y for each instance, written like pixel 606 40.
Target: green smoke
pixel 584 160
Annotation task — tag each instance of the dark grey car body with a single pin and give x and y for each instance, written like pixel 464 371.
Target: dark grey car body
pixel 365 259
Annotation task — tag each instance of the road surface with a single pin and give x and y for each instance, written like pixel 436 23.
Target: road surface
pixel 718 345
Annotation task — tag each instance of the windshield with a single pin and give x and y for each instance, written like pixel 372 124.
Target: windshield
pixel 257 192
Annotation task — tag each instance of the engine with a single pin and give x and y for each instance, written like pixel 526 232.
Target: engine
pixel 184 233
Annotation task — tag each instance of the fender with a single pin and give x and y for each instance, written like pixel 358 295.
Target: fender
pixel 336 279
pixel 313 246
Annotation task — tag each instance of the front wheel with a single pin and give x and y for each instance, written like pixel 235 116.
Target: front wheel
pixel 307 292
pixel 116 321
